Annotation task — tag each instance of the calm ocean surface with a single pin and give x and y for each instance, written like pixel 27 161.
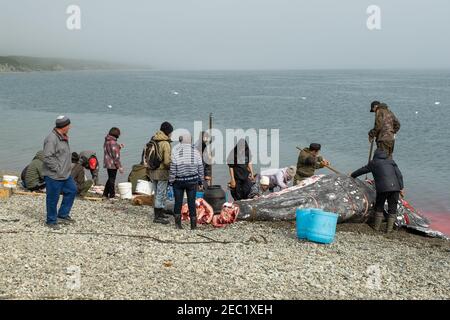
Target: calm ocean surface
pixel 329 107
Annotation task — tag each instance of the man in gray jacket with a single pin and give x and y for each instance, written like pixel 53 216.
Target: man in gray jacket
pixel 57 170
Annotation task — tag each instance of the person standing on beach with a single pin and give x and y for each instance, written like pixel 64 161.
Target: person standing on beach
pixel 57 169
pixel 308 161
pixel 388 184
pixel 111 161
pixel 202 145
pixel 385 128
pixel 158 163
pixel 186 173
pixel 240 167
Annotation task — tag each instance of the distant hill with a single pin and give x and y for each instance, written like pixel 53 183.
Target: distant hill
pixel 26 64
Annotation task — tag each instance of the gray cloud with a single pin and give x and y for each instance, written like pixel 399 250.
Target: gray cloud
pixel 232 34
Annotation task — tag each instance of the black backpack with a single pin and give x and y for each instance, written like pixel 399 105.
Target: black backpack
pixel 151 155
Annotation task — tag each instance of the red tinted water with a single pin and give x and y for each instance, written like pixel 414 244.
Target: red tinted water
pixel 439 221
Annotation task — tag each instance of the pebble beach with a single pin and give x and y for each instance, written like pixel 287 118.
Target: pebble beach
pixel 114 251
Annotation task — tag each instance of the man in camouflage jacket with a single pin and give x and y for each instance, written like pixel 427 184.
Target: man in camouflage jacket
pixel 385 128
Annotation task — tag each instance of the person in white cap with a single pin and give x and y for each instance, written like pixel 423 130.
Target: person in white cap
pixel 260 187
pixel 279 177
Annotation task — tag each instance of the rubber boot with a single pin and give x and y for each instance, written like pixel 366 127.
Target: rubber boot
pixel 159 217
pixel 390 225
pixel 193 223
pixel 178 221
pixel 167 212
pixel 378 220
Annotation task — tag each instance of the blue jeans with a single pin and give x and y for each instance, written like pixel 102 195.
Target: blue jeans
pixel 178 190
pixel 160 188
pixel 54 189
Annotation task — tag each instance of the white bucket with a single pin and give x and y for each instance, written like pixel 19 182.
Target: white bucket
pixel 10 181
pixel 125 190
pixel 144 187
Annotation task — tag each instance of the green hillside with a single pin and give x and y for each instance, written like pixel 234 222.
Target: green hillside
pixel 26 64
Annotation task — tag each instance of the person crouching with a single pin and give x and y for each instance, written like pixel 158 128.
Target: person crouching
pixel 260 187
pixel 32 176
pixel 279 178
pixel 186 173
pixel 89 161
pixel 79 177
pixel 388 184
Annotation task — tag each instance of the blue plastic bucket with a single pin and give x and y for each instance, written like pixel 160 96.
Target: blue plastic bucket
pixel 322 226
pixel 316 210
pixel 199 194
pixel 302 216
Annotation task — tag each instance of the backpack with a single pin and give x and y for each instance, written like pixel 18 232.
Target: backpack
pixel 151 155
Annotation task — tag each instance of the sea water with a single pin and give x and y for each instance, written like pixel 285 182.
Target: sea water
pixel 328 107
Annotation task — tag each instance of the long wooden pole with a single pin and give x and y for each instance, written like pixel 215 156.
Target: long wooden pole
pixel 35 194
pixel 326 166
pixel 25 193
pixel 210 136
pixel 370 153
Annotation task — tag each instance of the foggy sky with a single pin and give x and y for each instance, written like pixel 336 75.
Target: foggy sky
pixel 232 34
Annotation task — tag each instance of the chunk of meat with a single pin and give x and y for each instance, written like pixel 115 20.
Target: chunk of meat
pixel 204 211
pixel 227 216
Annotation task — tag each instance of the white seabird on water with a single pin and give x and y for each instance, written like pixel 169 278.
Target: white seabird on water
pixel 437 103
pixel 175 92
pixel 109 106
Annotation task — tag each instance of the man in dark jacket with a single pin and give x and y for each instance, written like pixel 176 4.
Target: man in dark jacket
pixel 77 174
pixel 33 175
pixel 385 128
pixel 388 184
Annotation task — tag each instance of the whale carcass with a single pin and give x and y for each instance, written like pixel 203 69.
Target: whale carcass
pixel 352 199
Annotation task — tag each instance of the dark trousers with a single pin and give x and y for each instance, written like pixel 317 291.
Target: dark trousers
pixel 54 188
pixel 242 190
pixel 84 188
pixel 110 186
pixel 38 187
pixel 392 200
pixel 94 175
pixel 178 190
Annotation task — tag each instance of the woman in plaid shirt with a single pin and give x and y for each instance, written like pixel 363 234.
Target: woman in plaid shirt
pixel 111 161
